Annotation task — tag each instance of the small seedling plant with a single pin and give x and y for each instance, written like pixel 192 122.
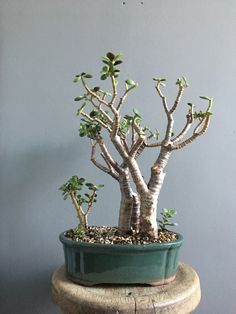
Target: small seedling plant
pixel 82 201
pixel 164 222
pixel 102 122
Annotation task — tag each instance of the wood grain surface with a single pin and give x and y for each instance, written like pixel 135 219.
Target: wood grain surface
pixel 181 296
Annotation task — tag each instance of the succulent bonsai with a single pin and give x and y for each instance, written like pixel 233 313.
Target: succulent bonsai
pixel 103 122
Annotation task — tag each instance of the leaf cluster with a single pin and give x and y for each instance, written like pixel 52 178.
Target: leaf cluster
pixel 167 214
pixel 160 81
pixel 78 77
pixel 129 121
pixel 91 128
pixel 182 82
pixel 110 69
pixel 76 184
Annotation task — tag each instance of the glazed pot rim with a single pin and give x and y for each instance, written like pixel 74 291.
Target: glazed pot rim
pixel 139 247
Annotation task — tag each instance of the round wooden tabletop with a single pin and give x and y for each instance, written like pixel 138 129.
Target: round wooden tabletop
pixel 181 296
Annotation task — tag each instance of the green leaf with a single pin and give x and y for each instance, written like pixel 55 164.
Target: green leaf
pixel 118 56
pixel 159 79
pixel 130 82
pixel 96 89
pixel 205 98
pixel 118 62
pixel 104 77
pixel 110 56
pixel 76 79
pixel 135 111
pixel 78 98
pixel 106 60
pixel 89 184
pixel 105 69
pixel 185 81
pixel 87 76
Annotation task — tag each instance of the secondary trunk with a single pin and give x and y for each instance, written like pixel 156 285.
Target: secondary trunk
pixel 148 213
pixel 127 202
pixel 149 200
pixel 135 216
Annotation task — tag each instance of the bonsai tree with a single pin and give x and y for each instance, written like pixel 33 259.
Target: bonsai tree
pixel 102 121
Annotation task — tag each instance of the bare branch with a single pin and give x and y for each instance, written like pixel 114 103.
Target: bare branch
pixel 80 213
pixel 124 141
pixel 108 156
pixel 136 146
pixel 205 122
pixel 90 204
pixel 178 98
pixel 103 101
pixel 164 102
pixel 157 144
pixel 140 150
pixel 103 112
pixel 169 115
pixel 100 166
pixel 114 90
pixel 127 90
pixel 184 131
pixel 122 99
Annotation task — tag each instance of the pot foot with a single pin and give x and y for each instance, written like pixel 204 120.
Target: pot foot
pixel 83 282
pixel 161 282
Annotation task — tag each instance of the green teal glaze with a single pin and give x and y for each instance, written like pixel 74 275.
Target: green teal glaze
pixel 114 263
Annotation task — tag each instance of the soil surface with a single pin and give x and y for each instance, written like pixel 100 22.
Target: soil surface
pixel 110 235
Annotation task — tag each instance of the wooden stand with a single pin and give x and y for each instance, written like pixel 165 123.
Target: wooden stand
pixel 181 296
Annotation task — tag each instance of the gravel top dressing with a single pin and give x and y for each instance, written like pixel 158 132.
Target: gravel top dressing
pixel 110 235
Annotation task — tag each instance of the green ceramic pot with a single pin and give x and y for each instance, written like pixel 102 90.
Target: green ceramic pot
pixel 90 263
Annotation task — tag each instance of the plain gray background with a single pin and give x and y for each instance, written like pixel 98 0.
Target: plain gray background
pixel 43 44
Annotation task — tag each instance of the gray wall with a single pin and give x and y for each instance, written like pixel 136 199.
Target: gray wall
pixel 43 44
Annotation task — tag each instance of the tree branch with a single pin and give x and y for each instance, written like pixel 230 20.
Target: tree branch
pixel 90 204
pixel 108 156
pixel 103 101
pixel 113 80
pixel 96 120
pixel 178 98
pixel 101 110
pixel 205 122
pixel 80 213
pixel 164 102
pixel 185 129
pixel 100 166
pixel 136 146
pixel 169 115
pixel 157 144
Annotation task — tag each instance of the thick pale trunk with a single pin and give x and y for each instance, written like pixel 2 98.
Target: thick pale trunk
pixel 135 217
pixel 148 212
pixel 125 213
pixel 149 201
pixel 126 203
